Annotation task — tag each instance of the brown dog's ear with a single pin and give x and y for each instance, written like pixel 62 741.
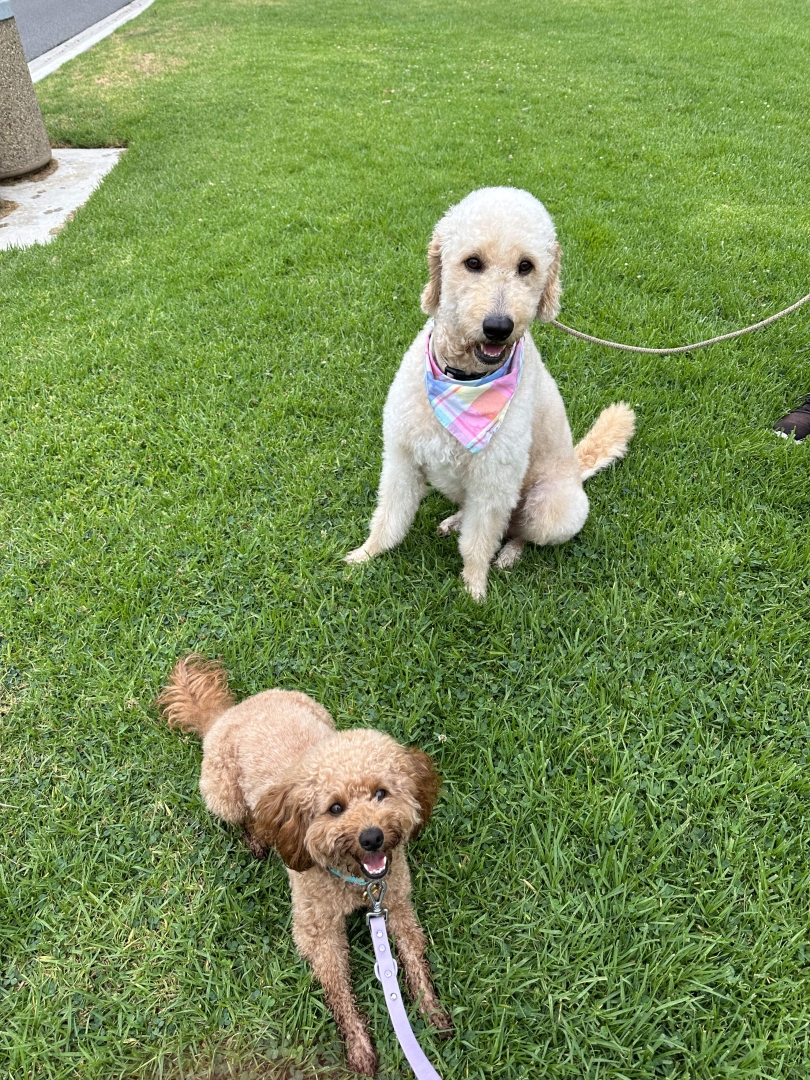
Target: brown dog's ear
pixel 432 291
pixel 426 784
pixel 549 306
pixel 279 821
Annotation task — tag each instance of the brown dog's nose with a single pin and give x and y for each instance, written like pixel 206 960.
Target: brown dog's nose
pixel 498 327
pixel 371 839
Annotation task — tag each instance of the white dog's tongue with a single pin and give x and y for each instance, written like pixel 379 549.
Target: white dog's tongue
pixel 374 863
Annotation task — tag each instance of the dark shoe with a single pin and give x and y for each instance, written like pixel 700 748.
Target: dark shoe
pixel 796 422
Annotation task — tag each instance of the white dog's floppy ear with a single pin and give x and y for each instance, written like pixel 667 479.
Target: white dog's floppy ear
pixel 549 306
pixel 432 291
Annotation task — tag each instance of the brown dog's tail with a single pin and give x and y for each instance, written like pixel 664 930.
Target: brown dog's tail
pixel 607 440
pixel 196 694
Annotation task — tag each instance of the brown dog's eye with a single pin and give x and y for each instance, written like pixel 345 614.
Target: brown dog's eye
pixel 525 266
pixel 336 809
pixel 380 794
pixel 474 264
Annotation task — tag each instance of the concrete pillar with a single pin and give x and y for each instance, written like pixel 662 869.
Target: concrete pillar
pixel 24 144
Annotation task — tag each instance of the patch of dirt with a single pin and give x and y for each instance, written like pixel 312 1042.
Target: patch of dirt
pixel 270 1071
pixel 6 703
pixel 72 146
pixel 55 231
pixel 235 1066
pixel 38 174
pixel 139 65
pixel 6 206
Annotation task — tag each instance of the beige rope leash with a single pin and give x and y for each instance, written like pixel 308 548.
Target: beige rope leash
pixel 680 348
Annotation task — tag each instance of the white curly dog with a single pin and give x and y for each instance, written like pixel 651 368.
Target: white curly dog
pixel 494 267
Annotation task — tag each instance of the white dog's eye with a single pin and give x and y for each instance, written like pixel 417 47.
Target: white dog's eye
pixel 525 266
pixel 336 809
pixel 474 264
pixel 380 794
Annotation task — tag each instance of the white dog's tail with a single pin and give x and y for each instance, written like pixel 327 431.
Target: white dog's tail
pixel 607 440
pixel 196 695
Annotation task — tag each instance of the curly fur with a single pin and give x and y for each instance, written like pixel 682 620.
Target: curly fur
pixel 527 484
pixel 196 695
pixel 275 764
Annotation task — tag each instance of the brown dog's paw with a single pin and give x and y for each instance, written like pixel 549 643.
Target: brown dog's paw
pixel 259 851
pixel 362 1057
pixel 443 1023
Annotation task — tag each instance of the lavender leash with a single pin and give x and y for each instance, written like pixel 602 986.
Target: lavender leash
pixel 385 968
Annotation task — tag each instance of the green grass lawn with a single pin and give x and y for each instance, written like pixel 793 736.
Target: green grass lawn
pixel 616 883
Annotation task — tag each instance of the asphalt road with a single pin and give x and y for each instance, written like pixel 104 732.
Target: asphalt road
pixel 44 24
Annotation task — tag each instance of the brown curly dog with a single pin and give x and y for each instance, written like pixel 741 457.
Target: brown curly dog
pixel 326 800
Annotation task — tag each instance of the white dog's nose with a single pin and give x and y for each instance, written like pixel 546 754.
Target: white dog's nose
pixel 498 327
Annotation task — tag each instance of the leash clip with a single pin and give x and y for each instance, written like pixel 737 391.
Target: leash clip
pixel 375 893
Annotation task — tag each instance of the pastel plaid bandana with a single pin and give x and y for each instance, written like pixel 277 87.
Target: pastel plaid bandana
pixel 472 411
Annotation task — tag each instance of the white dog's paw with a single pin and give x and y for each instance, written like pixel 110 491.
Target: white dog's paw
pixel 476 586
pixel 450 525
pixel 509 554
pixel 359 555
